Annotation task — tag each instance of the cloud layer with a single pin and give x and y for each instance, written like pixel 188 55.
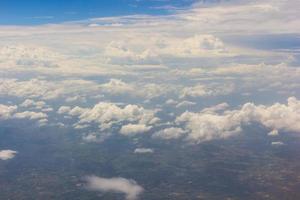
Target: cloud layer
pixel 166 77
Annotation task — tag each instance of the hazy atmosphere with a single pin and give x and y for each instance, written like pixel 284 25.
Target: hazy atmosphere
pixel 150 99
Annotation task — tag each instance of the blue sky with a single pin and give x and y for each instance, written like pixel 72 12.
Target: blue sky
pixel 55 11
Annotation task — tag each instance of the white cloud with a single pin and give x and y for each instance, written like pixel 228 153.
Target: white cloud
pixel 115 86
pixel 30 115
pixel 7 154
pixel 216 108
pixel 117 185
pixel 171 102
pixel 39 88
pixel 107 114
pixel 6 111
pixel 208 126
pixel 31 103
pixel 148 59
pixel 92 137
pixel 243 17
pixel 133 129
pixel 169 133
pixel 142 90
pixel 64 109
pixel 205 91
pixel 10 112
pixel 185 104
pixel 143 150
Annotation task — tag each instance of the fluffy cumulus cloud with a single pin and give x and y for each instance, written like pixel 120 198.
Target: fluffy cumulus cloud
pixel 7 154
pixel 6 111
pixel 63 110
pixel 35 104
pixel 129 188
pixel 115 86
pixel 30 115
pixel 216 108
pixel 108 114
pixel 133 129
pixel 169 133
pixel 206 126
pixel 10 112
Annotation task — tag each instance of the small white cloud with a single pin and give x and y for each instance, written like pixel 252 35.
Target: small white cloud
pixel 7 154
pixel 92 137
pixel 133 129
pixel 64 109
pixel 31 103
pixel 115 86
pixel 216 108
pixel 117 185
pixel 171 102
pixel 143 150
pixel 169 133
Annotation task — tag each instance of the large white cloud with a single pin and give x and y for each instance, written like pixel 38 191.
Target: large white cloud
pixel 117 185
pixel 206 126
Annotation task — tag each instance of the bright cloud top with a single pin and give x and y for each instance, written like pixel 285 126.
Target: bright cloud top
pixel 204 126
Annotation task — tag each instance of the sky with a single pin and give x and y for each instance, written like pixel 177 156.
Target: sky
pixel 183 71
pixel 55 11
pixel 201 65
